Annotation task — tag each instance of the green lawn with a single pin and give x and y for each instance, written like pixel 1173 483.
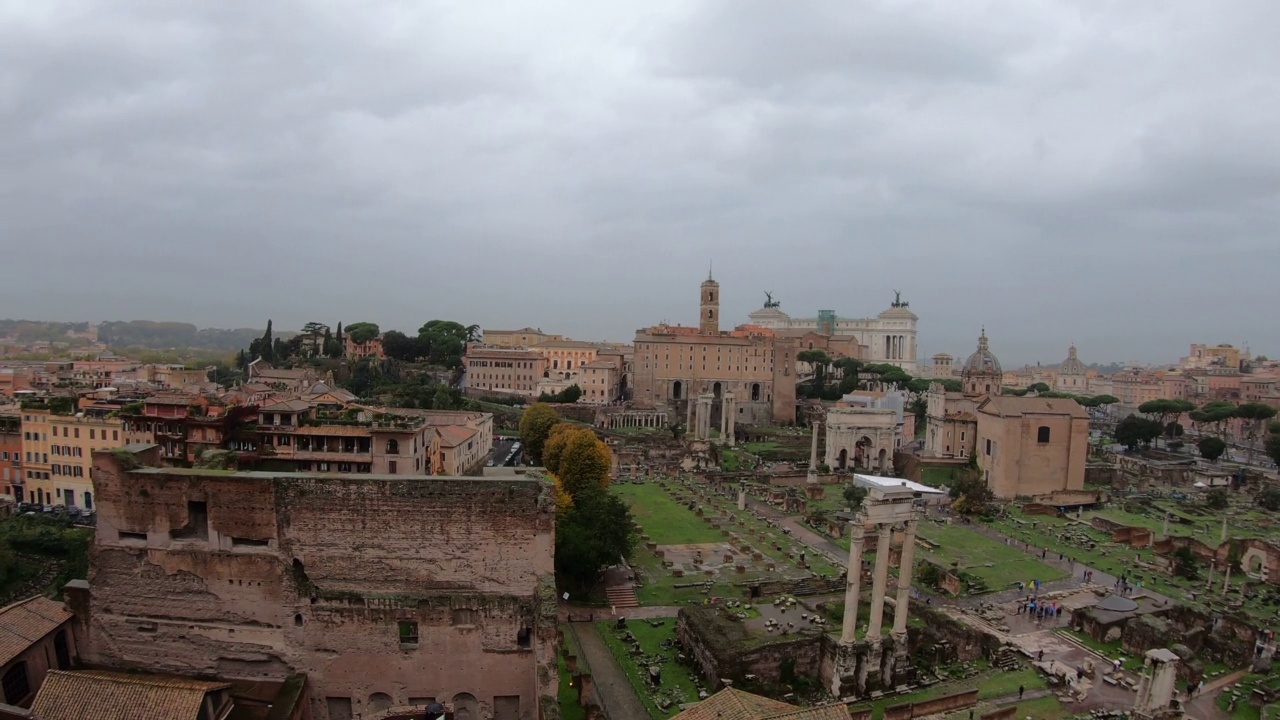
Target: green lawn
pixel 678 684
pixel 568 695
pixel 972 551
pixel 993 684
pixel 937 476
pixel 756 448
pixel 730 460
pixel 665 521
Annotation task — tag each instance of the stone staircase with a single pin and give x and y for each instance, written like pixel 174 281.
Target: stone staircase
pixel 1006 658
pixel 622 596
pixel 816 586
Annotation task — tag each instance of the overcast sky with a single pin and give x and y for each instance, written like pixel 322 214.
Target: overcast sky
pixel 1099 172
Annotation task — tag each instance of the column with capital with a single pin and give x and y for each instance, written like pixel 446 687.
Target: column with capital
pixel 881 580
pixel 853 586
pixel 905 571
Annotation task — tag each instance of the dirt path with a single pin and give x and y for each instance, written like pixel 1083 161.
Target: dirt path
pixel 611 686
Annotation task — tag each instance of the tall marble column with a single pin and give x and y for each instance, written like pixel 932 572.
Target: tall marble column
pixel 813 453
pixel 880 581
pixel 853 587
pixel 905 572
pixel 731 418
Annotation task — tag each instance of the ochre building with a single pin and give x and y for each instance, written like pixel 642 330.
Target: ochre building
pixel 674 364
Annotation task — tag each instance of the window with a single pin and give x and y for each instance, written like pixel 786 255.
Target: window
pixel 464 616
pixel 524 638
pixel 391 467
pixel 1042 435
pixel 408 632
pixel 133 537
pixel 91 434
pixel 16 685
pixel 988 446
pixel 115 434
pixel 197 527
pixel 393 447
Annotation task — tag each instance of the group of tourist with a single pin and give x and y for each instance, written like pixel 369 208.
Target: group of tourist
pixel 1040 611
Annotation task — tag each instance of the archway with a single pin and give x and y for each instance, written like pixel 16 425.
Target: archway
pixel 716 390
pixel 755 392
pixel 465 707
pixel 677 388
pixel 842 460
pixel 861 453
pixel 379 702
pixel 883 458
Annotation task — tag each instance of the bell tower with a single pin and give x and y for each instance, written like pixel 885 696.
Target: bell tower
pixel 709 307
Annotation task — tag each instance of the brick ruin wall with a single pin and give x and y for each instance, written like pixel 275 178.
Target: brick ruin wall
pixel 314 574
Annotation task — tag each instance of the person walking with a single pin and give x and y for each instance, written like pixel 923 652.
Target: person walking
pixel 1021 689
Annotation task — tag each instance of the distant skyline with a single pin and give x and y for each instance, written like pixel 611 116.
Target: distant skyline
pixel 1103 173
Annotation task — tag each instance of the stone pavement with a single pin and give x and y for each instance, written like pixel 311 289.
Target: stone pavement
pixel 611 686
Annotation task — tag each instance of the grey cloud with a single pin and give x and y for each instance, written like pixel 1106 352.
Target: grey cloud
pixel 1058 171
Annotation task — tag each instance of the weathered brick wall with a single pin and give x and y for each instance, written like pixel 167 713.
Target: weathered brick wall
pixel 314 574
pixel 944 704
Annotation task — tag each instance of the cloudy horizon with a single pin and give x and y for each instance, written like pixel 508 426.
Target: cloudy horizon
pixel 1091 172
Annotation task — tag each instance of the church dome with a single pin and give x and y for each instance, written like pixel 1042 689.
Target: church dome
pixel 1072 365
pixel 982 361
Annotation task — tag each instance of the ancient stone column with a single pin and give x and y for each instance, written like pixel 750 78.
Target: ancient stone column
pixel 742 498
pixel 813 454
pixel 880 580
pixel 730 412
pixel 905 572
pixel 849 629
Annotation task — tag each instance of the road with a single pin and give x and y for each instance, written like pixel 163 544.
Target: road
pixel 611 685
pixel 501 448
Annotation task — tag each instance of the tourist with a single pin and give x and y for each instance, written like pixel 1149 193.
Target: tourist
pixel 1021 689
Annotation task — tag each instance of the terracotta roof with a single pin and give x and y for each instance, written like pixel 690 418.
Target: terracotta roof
pixel 24 623
pixel 102 695
pixel 1014 406
pixel 455 435
pixel 732 704
pixel 565 344
pixel 963 416
pixel 290 406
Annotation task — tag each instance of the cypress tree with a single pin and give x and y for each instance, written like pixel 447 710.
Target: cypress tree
pixel 268 348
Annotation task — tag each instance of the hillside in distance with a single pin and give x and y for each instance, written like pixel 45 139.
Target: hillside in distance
pixel 133 333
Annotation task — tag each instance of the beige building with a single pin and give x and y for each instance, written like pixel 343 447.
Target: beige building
pixel 674 364
pixel 1072 376
pixel 521 338
pixel 602 380
pixel 1214 356
pixel 57 453
pixel 889 337
pixel 380 443
pixel 1024 446
pixel 565 357
pixel 1030 446
pixel 509 371
pixel 861 438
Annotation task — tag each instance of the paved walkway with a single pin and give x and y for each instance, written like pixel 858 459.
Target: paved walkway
pixel 611 687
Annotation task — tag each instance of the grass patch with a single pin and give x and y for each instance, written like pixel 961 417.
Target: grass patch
pixel 677 685
pixel 1009 565
pixel 990 685
pixel 567 695
pixel 937 476
pixel 665 521
pixel 730 460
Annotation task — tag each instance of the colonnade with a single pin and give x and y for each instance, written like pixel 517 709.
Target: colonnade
pixel 880 579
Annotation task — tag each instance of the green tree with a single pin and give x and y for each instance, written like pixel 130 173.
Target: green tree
pixel 339 343
pixel 446 398
pixel 326 344
pixel 363 332
pixel 267 349
pixel 1211 448
pixel 535 426
pixel 400 346
pixel 1272 446
pixel 850 370
pixel 1254 414
pixel 970 491
pixel 1213 416
pixel 315 334
pixel 1270 499
pixel 594 533
pixel 952 385
pixel 820 361
pixel 854 495
pixel 1166 410
pixel 1134 431
pixel 1216 499
pixel 1039 387
pixel 1184 563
